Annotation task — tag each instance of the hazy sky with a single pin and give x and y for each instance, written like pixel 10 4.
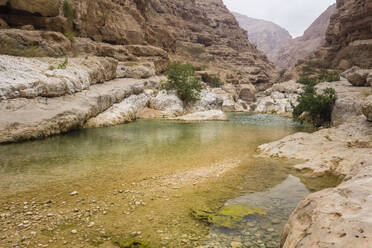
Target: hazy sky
pixel 294 15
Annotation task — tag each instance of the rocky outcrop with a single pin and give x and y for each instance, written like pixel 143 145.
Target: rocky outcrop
pixel 268 36
pixel 357 76
pixel 348 38
pixel 301 47
pixel 281 98
pixel 367 108
pixel 50 77
pixel 117 28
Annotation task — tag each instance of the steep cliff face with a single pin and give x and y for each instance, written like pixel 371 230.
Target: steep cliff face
pixel 301 47
pixel 348 39
pixel 268 36
pixel 200 31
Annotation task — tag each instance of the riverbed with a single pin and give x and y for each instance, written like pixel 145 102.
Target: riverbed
pixel 143 180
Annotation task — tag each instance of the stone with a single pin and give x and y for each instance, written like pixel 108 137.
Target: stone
pixel 168 103
pixel 123 112
pixel 42 7
pixel 33 43
pixel 247 92
pixel 33 77
pixel 357 76
pixel 73 193
pixel 211 115
pixel 236 244
pixel 74 231
pixel 367 108
pixel 145 70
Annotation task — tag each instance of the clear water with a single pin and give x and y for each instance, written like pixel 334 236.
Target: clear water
pixel 145 177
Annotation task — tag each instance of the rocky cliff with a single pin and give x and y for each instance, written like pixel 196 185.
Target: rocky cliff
pixel 268 36
pixel 199 31
pixel 348 39
pixel 301 47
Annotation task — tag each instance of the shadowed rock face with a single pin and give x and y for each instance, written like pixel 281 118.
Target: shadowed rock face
pixel 349 36
pixel 301 47
pixel 268 36
pixel 200 31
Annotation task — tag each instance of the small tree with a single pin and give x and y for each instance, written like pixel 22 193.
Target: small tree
pixel 182 79
pixel 317 107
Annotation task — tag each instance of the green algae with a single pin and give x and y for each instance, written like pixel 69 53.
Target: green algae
pixel 229 216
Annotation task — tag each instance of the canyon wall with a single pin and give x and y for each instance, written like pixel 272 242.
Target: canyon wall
pixel 203 32
pixel 348 39
pixel 303 46
pixel 268 36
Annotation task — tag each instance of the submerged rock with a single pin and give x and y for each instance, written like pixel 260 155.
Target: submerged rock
pixel 211 115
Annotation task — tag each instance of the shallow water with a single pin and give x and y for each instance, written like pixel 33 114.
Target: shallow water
pixel 142 179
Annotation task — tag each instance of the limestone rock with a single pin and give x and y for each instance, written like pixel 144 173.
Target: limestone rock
pixel 343 211
pixel 42 7
pixel 24 119
pixel 349 35
pixel 32 77
pixel 119 113
pixel 299 48
pixel 357 76
pixel 144 70
pixel 367 108
pixel 208 101
pixel 288 87
pixel 210 115
pixel 3 24
pixel 267 35
pixel 169 103
pixel 247 92
pixel 31 43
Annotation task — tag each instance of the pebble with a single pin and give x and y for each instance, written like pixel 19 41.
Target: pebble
pixel 236 244
pixel 74 231
pixel 91 224
pixel 73 193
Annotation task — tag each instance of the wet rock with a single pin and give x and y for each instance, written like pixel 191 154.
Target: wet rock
pixel 73 193
pixel 236 244
pixel 211 115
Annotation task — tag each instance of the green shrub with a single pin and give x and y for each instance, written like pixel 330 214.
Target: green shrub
pixel 68 10
pixel 70 36
pixel 332 76
pixel 181 77
pixel 317 108
pixel 63 65
pixel 213 81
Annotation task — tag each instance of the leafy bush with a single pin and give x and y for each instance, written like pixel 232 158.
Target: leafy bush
pixel 70 36
pixel 323 77
pixel 63 65
pixel 181 77
pixel 315 108
pixel 213 81
pixel 68 10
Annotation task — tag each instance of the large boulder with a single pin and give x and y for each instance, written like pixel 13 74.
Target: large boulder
pixel 29 43
pixel 367 108
pixel 168 102
pixel 247 92
pixel 42 7
pixel 357 76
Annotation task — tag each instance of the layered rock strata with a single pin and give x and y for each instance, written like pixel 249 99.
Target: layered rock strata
pixel 203 32
pixel 46 96
pixel 348 39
